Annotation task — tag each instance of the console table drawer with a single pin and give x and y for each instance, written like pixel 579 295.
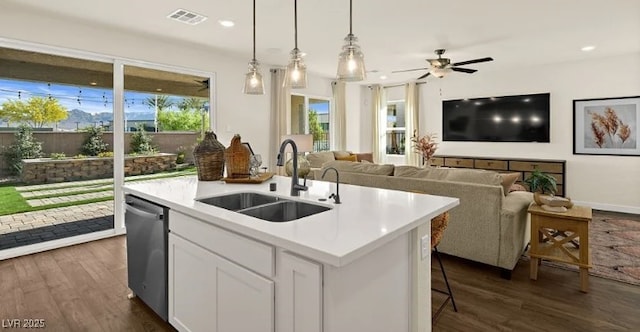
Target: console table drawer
pixel 492 164
pixel 437 161
pixel 458 162
pixel 531 166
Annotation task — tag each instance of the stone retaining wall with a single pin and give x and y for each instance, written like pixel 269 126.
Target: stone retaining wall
pixel 50 171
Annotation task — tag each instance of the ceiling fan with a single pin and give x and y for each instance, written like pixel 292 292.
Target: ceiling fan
pixel 441 66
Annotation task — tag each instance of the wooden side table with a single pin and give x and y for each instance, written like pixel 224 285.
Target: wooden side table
pixel 554 235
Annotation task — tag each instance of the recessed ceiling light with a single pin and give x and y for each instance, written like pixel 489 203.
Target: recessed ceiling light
pixel 383 77
pixel 158 89
pixel 226 23
pixel 588 48
pixel 188 17
pixel 94 83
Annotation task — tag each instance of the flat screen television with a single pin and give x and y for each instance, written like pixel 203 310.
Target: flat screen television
pixel 521 118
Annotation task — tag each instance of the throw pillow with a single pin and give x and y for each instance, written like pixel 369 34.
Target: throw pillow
pixel 352 157
pixel 341 154
pixel 517 187
pixel 365 156
pixel 508 179
pixel 316 159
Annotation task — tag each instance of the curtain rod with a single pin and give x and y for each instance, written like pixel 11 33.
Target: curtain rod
pixel 396 85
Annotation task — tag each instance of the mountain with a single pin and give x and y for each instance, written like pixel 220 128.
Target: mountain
pixel 79 119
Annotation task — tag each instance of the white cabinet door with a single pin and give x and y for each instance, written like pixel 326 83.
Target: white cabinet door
pixel 209 293
pixel 299 297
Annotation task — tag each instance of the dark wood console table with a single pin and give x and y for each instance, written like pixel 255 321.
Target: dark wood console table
pixel 555 168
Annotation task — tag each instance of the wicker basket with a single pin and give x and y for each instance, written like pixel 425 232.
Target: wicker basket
pixel 209 158
pixel 237 159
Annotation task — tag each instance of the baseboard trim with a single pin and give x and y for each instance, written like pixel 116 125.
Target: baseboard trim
pixel 611 207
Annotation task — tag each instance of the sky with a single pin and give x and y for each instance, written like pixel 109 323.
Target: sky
pixel 88 99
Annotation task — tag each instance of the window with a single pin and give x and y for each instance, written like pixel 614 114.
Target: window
pixel 395 128
pixel 311 115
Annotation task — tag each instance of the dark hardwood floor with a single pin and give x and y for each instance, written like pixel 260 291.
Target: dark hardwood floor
pixel 83 288
pixel 78 288
pixel 554 302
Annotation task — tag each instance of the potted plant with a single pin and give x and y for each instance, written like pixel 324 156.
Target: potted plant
pixel 541 183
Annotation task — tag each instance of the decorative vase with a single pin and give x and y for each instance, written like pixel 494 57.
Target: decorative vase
pixel 237 157
pixel 304 166
pixel 209 158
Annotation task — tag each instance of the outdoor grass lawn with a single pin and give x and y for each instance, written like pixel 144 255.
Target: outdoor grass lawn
pixel 11 202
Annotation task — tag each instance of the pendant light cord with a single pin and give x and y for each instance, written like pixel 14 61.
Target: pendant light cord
pixel 295 23
pixel 350 17
pixel 254 30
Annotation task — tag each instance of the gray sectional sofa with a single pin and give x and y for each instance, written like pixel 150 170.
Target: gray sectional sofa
pixel 488 226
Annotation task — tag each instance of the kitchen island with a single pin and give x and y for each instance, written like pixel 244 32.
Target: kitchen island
pixel 363 265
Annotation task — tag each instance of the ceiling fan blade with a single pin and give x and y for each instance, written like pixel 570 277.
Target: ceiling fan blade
pixel 472 61
pixel 402 71
pixel 423 76
pixel 464 70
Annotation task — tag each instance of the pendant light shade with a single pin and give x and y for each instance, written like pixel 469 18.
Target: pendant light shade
pixel 351 60
pixel 253 83
pixel 296 73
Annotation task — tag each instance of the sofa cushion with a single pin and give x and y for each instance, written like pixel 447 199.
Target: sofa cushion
pixel 316 159
pixel 474 176
pixel 431 173
pixel 347 166
pixel 508 179
pixel 352 158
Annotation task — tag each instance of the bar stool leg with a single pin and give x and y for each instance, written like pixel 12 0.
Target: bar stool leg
pixel 446 281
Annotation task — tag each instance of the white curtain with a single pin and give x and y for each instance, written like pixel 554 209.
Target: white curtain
pixel 379 116
pixel 411 109
pixel 339 129
pixel 280 107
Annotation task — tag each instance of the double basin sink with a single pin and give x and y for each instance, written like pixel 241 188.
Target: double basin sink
pixel 265 207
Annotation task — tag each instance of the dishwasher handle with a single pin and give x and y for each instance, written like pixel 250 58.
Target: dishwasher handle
pixel 142 213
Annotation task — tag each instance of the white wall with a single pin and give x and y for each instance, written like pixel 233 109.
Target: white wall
pixel 236 112
pixel 604 182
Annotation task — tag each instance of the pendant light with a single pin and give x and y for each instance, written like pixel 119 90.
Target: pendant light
pixel 253 83
pixel 351 59
pixel 296 73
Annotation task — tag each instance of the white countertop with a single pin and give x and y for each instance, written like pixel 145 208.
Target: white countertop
pixel 367 218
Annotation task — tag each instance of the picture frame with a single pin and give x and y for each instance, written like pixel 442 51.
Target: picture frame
pixel 607 126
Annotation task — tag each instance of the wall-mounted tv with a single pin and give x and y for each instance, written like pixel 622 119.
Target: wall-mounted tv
pixel 521 118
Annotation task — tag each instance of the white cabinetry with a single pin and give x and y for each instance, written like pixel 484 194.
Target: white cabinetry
pixel 299 295
pixel 209 293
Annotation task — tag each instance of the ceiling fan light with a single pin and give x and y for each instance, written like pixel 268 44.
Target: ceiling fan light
pixel 439 72
pixel 296 72
pixel 351 61
pixel 253 82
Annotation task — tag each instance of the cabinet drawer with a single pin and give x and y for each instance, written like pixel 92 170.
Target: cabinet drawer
pixel 437 161
pixel 492 164
pixel 244 251
pixel 558 177
pixel 533 165
pixel 458 162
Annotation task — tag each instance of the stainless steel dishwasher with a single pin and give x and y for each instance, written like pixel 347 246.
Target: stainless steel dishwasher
pixel 147 242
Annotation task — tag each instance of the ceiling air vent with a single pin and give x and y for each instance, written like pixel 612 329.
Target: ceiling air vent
pixel 186 16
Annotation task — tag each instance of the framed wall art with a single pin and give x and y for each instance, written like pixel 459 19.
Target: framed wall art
pixel 607 126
